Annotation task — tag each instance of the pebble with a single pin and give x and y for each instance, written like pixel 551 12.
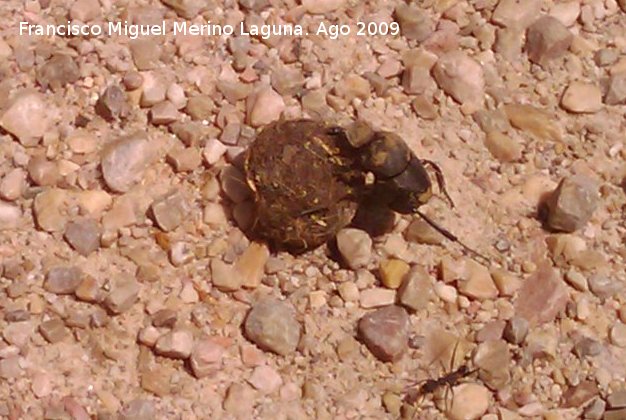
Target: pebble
pixel 170 211
pixel 41 385
pixel 148 336
pixel 415 24
pixel 595 410
pixel 239 401
pixel 10 368
pixel 146 53
pixel 10 216
pixel 164 113
pixel 271 325
pixel 200 108
pixel 85 10
pixel 83 235
pixel 58 72
pixel 567 12
pixel 250 266
pixel 587 347
pixel 542 296
pixel 416 289
pixel 263 107
pixel 181 253
pixel 461 77
pixel 581 97
pixel 265 379
pixel 603 286
pixel 516 13
pixel 353 86
pixel 479 284
pixel 26 117
pixel 156 381
pixel 534 121
pixel 491 331
pixel 184 159
pixel 123 295
pixel 572 204
pixel 43 172
pixel 503 147
pixel 18 333
pixel 138 409
pixel 214 215
pixel 493 358
pixel 89 290
pixel 616 89
pixel 385 332
pixel 213 151
pixel 176 344
pixel 618 334
pixel 506 283
pixel 469 401
pixel 112 104
pixel 355 246
pixel 424 108
pixel 576 280
pixel 53 330
pixel 516 330
pixel 617 399
pixel 124 161
pixel 153 89
pixel 63 280
pixel 206 357
pixel 376 297
pixel 446 292
pixel 422 233
pixel 547 39
pixel 579 395
pixel 224 277
pixel 13 184
pixel 322 6
pixel 348 291
pixel 392 272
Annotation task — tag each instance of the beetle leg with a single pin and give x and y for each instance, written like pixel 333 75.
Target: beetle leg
pixel 452 237
pixel 441 182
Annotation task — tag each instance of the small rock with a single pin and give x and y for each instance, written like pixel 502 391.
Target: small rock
pixel 170 211
pixel 206 357
pixel 13 184
pixel 322 6
pixel 567 12
pixel 239 401
pixel 112 104
pixel 83 235
pixel 533 120
pixel 422 233
pixel 542 296
pixel 576 280
pixel 10 216
pixel 176 344
pixel 461 77
pixel 148 336
pixel 493 358
pixel 503 147
pixel 224 277
pixel 26 117
pixel 250 266
pixel 271 325
pixel 506 282
pixel 10 367
pixel 579 395
pixel 138 409
pixel 376 297
pixel 416 290
pixel 153 89
pixel 572 204
pixel 516 13
pixel 491 331
pixel 446 292
pixel 200 108
pixel 616 90
pixel 595 410
pixel 580 97
pixel 85 10
pixel 587 347
pixel 124 161
pixel 617 399
pixel 164 318
pixel 234 184
pixel 164 113
pixel 123 295
pixel 355 246
pixel 184 159
pixel 156 381
pixel 53 330
pixel 618 335
pixel 265 379
pixel 603 286
pixel 180 253
pixel 516 330
pixel 89 290
pixel 43 172
pixel 18 333
pixel 213 151
pixel 385 332
pixel 264 107
pixel 424 108
pixel 479 284
pixel 415 24
pixel 58 72
pixel 348 291
pixel 547 39
pixel 63 280
pixel 146 53
pixel 353 86
pixel 214 215
pixel 469 401
pixel 41 385
pixel 392 272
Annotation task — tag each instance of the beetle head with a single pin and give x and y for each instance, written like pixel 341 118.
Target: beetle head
pixel 410 189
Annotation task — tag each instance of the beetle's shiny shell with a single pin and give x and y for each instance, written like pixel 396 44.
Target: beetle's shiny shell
pixel 305 184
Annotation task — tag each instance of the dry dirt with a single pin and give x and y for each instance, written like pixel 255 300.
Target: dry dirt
pixel 127 284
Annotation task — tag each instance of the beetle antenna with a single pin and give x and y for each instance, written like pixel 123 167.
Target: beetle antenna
pixel 441 182
pixel 452 237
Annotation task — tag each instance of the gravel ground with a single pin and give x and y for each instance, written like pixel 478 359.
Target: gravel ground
pixel 128 290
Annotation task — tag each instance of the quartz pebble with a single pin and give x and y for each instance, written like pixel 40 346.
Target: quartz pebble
pixel 170 211
pixel 355 246
pixel 542 296
pixel 265 379
pixel 264 107
pixel 533 120
pixel 272 326
pixel 83 235
pixel 163 113
pixel 53 330
pixel 385 332
pixel 516 330
pixel 12 184
pixel 251 264
pixel 516 13
pixel 376 297
pixel 63 280
pixel 123 295
pixel 392 272
pixel 469 401
pixel 138 409
pixel 85 10
pixel 415 24
pixel 572 204
pixel 416 289
pixel 176 344
pixel 26 117
pixel 10 216
pixel 618 335
pixel 547 39
pixel 479 284
pixel 57 72
pixel 580 97
pixel 124 162
pixel 461 77
pixel 581 394
pixel 146 53
pixel 493 358
pixel 503 147
pixel 616 89
pixel 206 357
pixel 112 103
pixel 421 232
pixel 224 277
